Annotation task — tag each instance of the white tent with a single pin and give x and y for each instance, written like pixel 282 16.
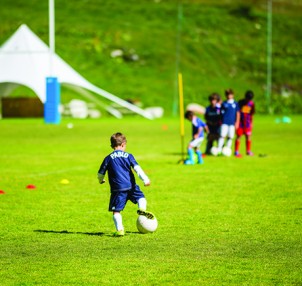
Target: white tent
pixel 26 60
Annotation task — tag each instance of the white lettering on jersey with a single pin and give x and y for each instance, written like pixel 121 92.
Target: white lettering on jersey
pixel 119 154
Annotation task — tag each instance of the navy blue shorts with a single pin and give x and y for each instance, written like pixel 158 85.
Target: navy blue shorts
pixel 119 199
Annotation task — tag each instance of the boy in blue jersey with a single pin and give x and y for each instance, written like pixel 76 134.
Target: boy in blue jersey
pixel 119 165
pixel 198 127
pixel 230 120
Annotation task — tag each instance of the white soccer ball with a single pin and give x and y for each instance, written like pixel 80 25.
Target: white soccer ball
pixel 226 151
pixel 214 151
pixel 146 225
pixel 69 125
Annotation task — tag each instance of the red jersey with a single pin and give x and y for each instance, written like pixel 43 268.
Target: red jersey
pixel 247 110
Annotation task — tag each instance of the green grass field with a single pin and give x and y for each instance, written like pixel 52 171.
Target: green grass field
pixel 228 222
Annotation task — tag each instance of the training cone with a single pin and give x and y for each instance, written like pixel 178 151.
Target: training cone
pixel 30 187
pixel 2 192
pixel 64 182
pixel 164 127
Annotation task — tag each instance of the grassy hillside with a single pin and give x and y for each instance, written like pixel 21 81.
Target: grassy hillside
pixel 215 44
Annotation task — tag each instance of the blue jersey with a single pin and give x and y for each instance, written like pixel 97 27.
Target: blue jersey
pixel 119 164
pixel 229 111
pixel 196 124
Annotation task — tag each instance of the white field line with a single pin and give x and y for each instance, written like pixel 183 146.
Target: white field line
pixel 54 172
pixel 76 168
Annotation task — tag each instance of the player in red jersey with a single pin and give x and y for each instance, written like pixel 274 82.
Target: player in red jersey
pixel 247 110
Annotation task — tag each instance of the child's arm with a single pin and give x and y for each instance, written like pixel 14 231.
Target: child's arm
pixel 101 178
pixel 196 135
pixel 253 111
pixel 141 174
pixel 102 171
pixel 206 128
pixel 237 120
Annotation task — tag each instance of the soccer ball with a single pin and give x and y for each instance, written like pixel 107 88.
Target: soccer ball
pixel 226 151
pixel 214 151
pixel 146 225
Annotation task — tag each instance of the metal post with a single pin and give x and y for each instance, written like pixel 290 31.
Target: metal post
pixel 181 116
pixel 269 56
pixel 177 60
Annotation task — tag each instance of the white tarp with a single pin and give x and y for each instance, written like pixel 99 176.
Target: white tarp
pixel 26 60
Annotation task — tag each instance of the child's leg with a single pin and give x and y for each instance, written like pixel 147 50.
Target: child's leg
pixel 215 140
pixel 192 149
pixel 220 143
pixel 199 156
pixel 229 142
pixel 137 196
pixel 142 208
pixel 142 204
pixel 118 221
pixel 231 134
pixel 209 144
pixel 239 132
pixel 198 151
pixel 223 133
pixel 248 144
pixel 237 145
pixel 191 154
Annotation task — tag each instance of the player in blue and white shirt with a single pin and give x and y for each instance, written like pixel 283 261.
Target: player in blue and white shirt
pixel 119 165
pixel 198 127
pixel 230 120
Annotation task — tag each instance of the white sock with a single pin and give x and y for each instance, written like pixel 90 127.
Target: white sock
pixel 229 143
pixel 142 204
pixel 220 143
pixel 118 221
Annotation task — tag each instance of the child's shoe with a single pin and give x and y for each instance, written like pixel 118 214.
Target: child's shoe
pixel 147 214
pixel 119 233
pixel 237 154
pixel 189 162
pixel 250 153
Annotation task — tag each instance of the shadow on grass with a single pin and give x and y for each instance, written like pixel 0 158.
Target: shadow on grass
pixel 79 232
pixel 71 232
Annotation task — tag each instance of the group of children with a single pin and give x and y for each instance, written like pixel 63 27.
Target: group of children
pixel 222 120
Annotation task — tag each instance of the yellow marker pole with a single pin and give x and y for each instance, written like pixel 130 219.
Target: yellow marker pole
pixel 181 114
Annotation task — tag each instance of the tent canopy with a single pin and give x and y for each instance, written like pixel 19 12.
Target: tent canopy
pixel 26 60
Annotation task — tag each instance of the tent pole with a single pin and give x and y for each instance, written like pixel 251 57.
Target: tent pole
pixel 51 10
pixel 53 89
